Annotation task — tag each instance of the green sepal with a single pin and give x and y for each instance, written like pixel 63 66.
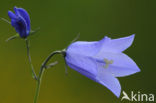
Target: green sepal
pixel 12 37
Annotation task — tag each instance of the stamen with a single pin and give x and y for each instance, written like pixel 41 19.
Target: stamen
pixel 107 62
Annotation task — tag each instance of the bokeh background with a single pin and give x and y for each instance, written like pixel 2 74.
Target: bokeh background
pixel 60 21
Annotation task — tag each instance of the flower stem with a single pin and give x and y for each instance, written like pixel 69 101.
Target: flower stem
pixel 37 90
pixel 28 53
pixel 42 68
pixel 38 82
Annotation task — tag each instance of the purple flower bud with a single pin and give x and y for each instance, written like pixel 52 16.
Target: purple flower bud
pixel 102 61
pixel 20 20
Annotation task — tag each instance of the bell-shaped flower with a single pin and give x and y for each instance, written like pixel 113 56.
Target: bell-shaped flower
pixel 20 20
pixel 102 61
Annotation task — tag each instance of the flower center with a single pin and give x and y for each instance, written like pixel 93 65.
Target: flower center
pixel 107 62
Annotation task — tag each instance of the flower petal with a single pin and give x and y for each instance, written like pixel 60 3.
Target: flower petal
pixel 116 45
pixel 84 48
pixel 108 80
pixel 24 14
pixel 14 23
pixel 122 64
pixel 11 15
pixel 81 63
pixel 20 26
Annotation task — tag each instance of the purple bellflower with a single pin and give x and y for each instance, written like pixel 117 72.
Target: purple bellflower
pixel 20 20
pixel 102 61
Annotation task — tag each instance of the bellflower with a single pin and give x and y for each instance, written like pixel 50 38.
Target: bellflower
pixel 20 20
pixel 102 61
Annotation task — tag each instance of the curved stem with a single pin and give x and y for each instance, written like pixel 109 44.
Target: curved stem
pixel 39 78
pixel 29 57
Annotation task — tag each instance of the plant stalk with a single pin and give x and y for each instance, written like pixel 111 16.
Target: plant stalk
pixel 42 68
pixel 29 57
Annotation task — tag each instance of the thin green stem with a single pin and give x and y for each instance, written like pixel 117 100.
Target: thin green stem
pixel 42 68
pixel 29 57
pixel 38 82
pixel 37 90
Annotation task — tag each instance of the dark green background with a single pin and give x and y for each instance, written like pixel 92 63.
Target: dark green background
pixel 60 21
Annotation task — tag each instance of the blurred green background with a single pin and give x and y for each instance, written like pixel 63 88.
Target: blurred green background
pixel 60 21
